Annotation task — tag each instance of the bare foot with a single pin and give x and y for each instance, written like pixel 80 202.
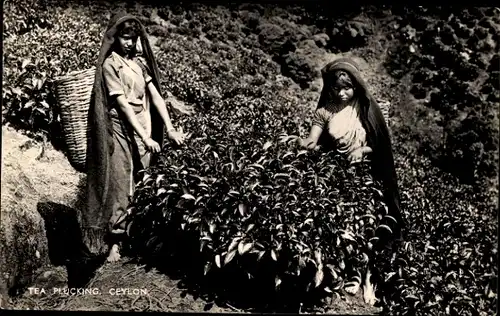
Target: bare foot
pixel 352 287
pixel 369 290
pixel 114 254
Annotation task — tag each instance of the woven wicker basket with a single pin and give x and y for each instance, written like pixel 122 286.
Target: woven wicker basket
pixel 73 93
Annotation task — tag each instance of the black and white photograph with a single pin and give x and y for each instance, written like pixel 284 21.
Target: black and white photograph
pixel 298 157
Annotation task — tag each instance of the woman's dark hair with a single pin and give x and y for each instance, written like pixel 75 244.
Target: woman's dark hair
pixel 342 79
pixel 129 28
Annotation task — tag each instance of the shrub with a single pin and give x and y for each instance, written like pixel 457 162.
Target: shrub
pixel 272 39
pixel 61 46
pixel 251 201
pixel 299 68
pixel 454 87
pixel 449 263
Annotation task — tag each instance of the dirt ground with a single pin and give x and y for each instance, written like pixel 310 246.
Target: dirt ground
pixel 31 174
pixel 130 287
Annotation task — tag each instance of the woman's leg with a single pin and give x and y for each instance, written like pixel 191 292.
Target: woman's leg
pixel 369 289
pixel 120 186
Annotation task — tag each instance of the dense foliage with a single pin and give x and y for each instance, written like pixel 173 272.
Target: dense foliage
pixel 450 264
pixel 239 66
pixel 249 195
pixel 452 56
pixel 60 46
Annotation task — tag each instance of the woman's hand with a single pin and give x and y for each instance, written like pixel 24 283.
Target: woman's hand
pixel 311 142
pixel 177 136
pixel 359 155
pixel 151 145
pixel 307 143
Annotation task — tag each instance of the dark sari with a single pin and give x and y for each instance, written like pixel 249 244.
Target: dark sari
pixel 103 185
pixel 378 139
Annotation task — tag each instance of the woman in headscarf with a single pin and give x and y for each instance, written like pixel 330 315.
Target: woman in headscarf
pixel 355 125
pixel 126 118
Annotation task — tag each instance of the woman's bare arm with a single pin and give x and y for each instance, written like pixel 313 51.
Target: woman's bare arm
pixel 160 106
pixel 312 140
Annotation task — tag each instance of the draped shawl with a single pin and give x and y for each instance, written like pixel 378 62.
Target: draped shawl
pixel 377 133
pixel 100 142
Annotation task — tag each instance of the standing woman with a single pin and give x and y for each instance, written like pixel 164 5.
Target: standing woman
pixel 127 118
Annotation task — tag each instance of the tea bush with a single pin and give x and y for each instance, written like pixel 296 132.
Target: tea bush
pixel 247 195
pixel 62 44
pixel 449 265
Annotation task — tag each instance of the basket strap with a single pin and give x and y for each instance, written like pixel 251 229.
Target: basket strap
pixel 143 66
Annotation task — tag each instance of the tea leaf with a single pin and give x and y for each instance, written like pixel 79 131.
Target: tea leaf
pixel 277 282
pixel 274 255
pixel 267 145
pixel 25 63
pixel 229 256
pixel 386 228
pixel 256 165
pixel 242 209
pixel 391 218
pixel 211 228
pixel 246 248
pixel 188 196
pixel 16 91
pixel 207 268
pixel 234 244
pixel 249 227
pixel 318 278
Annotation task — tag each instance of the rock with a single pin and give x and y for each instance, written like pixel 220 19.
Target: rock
pixel 23 233
pixel 26 182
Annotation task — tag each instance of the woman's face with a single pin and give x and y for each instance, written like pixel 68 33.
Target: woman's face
pixel 343 93
pixel 126 44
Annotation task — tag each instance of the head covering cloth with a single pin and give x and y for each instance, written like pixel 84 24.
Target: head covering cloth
pixel 100 140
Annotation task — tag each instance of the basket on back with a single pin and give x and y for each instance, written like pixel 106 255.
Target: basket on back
pixel 73 93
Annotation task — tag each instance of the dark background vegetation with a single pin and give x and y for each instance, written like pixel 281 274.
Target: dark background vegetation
pixel 439 68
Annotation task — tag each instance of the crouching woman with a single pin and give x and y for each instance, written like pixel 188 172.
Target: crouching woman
pixel 354 122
